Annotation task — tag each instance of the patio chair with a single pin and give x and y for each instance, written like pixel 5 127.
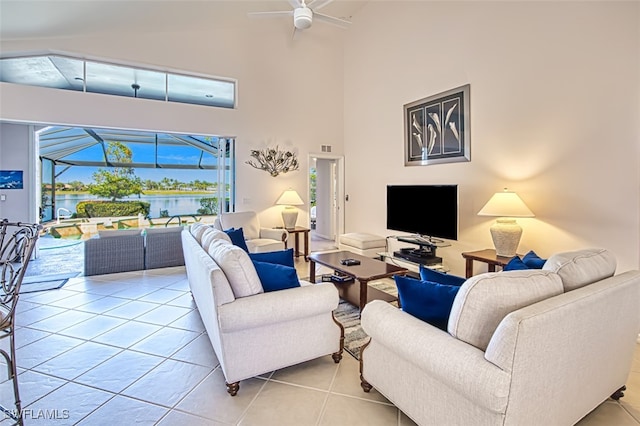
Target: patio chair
pixel 17 241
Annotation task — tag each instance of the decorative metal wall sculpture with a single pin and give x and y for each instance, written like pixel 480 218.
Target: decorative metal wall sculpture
pixel 273 160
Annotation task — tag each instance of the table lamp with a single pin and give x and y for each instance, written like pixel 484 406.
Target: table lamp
pixel 289 199
pixel 505 232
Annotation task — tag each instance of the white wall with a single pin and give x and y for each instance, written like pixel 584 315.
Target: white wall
pixel 18 204
pixel 555 116
pixel 289 94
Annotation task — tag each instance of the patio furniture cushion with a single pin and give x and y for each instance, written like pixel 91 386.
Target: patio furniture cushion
pixel 109 233
pixel 237 267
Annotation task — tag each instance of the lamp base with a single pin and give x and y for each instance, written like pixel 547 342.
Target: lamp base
pixel 289 217
pixel 506 235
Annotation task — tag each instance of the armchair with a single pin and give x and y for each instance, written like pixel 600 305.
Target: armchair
pixel 258 239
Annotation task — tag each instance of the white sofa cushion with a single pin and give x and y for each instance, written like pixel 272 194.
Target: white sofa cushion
pixel 237 267
pixel 581 267
pixel 212 234
pixel 484 300
pixel 197 229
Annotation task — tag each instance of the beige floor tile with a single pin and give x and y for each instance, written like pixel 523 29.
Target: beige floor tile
pixel 177 379
pixel 120 371
pixel 163 315
pixel 165 342
pixel 61 321
pixel 191 321
pixel 161 295
pixel 105 288
pixel 93 327
pixel 127 334
pixel 135 290
pixel 34 385
pixel 211 400
pixel 67 404
pixel 343 410
pixel 44 349
pixel 77 361
pixel 279 404
pixel 125 411
pixel 182 285
pixel 47 297
pixel 177 418
pixel 102 305
pixel 25 305
pixel 632 409
pixel 198 351
pixel 347 381
pixel 78 299
pixel 26 335
pixel 186 301
pixel 37 314
pixel 607 414
pixel 131 309
pixel 317 373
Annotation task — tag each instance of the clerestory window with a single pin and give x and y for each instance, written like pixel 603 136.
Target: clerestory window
pixel 72 73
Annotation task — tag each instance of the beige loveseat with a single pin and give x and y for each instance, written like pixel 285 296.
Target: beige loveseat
pixel 252 334
pixel 536 347
pixel 258 238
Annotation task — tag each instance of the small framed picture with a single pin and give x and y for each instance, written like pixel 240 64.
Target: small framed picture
pixel 11 179
pixel 436 128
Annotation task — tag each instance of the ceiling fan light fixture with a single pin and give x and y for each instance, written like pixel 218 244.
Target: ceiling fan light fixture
pixel 302 18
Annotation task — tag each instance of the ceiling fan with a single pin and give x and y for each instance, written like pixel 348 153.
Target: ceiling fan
pixel 304 14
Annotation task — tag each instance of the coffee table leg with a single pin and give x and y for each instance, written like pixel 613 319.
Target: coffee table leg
pixel 363 293
pixel 312 271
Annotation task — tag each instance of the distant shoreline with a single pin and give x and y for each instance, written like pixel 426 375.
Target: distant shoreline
pixel 150 192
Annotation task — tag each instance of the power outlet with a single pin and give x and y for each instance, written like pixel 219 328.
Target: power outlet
pixel 3 197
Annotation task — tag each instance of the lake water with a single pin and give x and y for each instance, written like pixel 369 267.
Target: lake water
pixel 181 204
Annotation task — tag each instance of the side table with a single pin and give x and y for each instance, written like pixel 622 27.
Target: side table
pixel 487 256
pixel 296 232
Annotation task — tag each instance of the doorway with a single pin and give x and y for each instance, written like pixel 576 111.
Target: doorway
pixel 326 195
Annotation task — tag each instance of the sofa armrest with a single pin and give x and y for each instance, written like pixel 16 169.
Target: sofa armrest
pixel 438 354
pixel 277 306
pixel 274 234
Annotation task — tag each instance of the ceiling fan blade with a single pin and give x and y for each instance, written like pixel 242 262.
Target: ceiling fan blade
pixel 277 14
pixel 295 3
pixel 318 4
pixel 331 20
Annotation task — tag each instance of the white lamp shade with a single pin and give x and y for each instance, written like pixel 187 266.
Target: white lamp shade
pixel 290 198
pixel 506 233
pixel 506 204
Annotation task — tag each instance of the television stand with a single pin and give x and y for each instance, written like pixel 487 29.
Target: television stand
pixel 424 255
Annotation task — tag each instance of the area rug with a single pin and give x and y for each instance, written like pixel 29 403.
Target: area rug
pixel 45 282
pixel 349 316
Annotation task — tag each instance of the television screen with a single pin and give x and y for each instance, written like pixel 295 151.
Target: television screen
pixel 426 210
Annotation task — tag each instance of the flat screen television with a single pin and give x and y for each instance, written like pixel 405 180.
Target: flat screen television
pixel 430 211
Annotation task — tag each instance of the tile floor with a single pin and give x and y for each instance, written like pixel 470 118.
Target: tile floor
pixel 130 348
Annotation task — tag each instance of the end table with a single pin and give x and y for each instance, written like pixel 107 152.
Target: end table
pixel 487 256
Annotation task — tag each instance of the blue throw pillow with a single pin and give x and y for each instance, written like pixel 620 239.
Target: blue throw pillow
pixel 427 274
pixel 533 261
pixel 237 238
pixel 515 264
pixel 276 277
pixel 431 302
pixel 281 257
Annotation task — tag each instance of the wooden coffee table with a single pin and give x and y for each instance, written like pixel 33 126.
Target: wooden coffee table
pixel 368 270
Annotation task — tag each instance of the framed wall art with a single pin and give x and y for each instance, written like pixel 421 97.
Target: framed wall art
pixel 436 129
pixel 11 179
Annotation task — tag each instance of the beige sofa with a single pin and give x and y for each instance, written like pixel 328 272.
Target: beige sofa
pixel 541 347
pixel 252 334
